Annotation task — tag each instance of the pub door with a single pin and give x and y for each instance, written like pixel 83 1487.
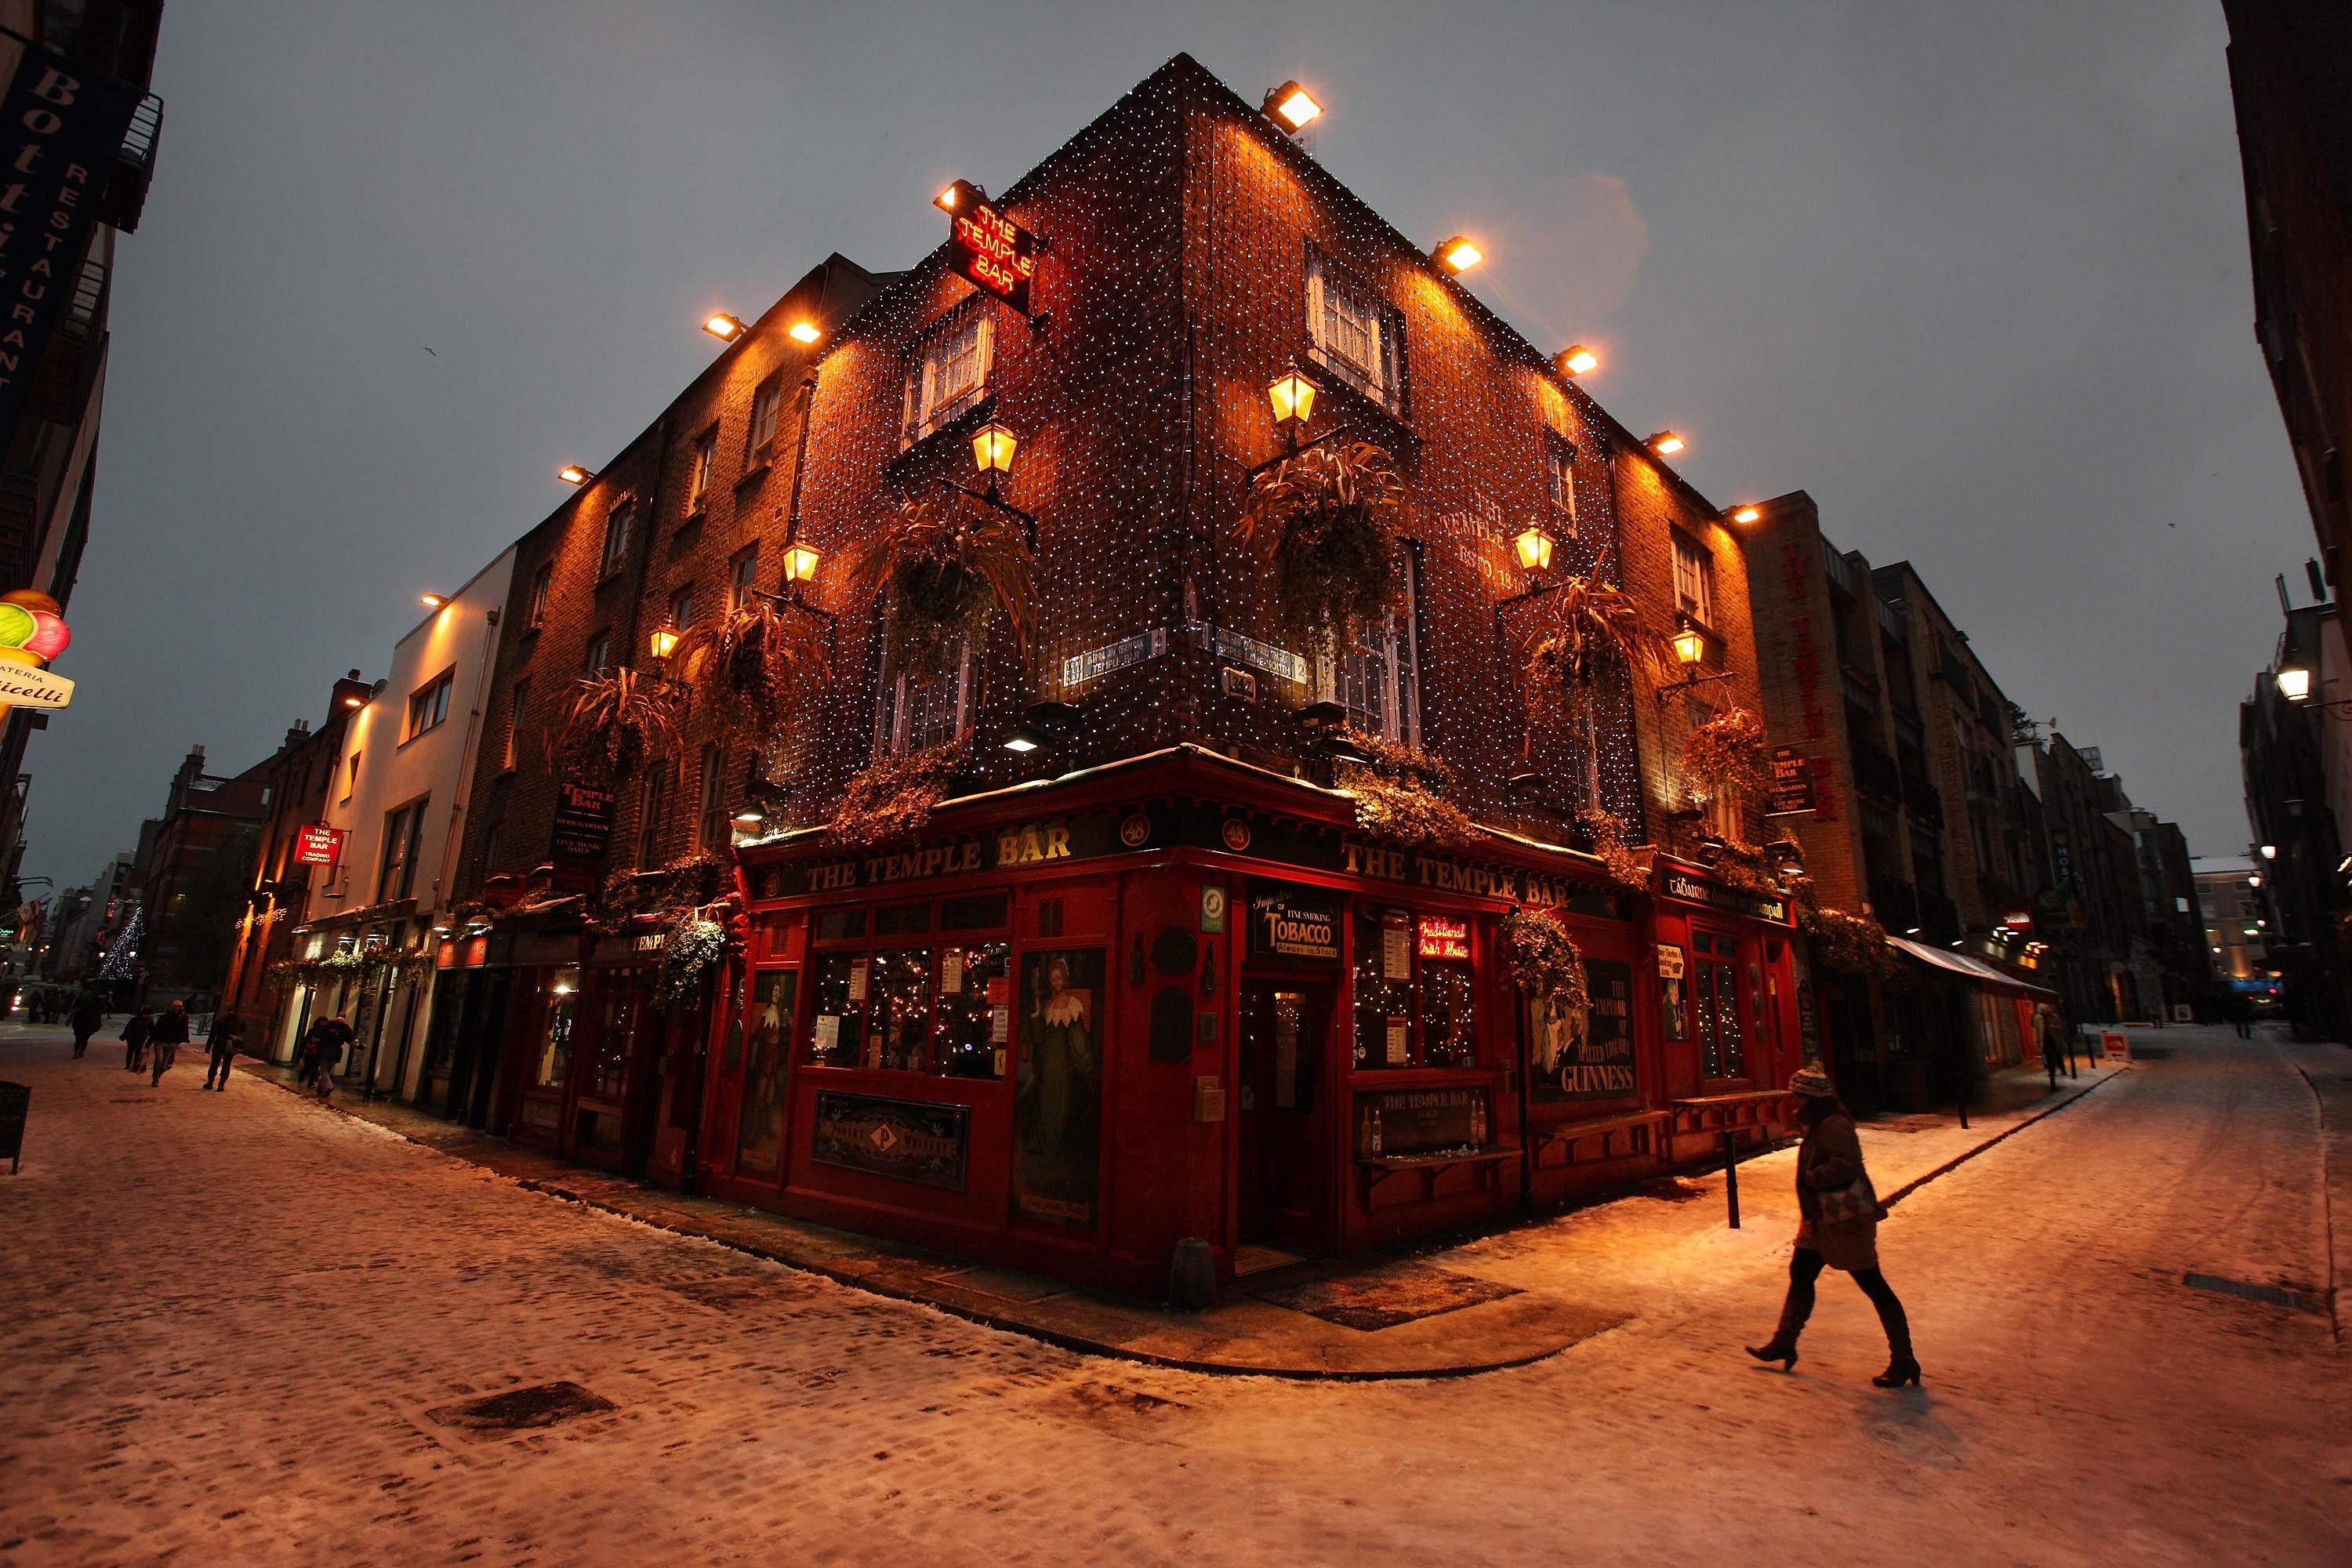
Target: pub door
pixel 1284 1187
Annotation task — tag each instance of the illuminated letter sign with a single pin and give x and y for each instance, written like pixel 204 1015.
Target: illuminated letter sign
pixel 1444 937
pixel 318 845
pixel 995 254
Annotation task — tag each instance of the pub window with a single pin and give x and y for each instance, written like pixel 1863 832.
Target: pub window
pixel 1560 474
pixel 518 711
pixel 767 405
pixel 698 479
pixel 541 582
pixel 653 799
pixel 712 826
pixel 893 999
pixel 948 373
pixel 608 1056
pixel 1378 678
pixel 351 779
pixel 555 1032
pixel 1714 1002
pixel 740 573
pixel 919 709
pixel 620 527
pixel 1693 581
pixel 1414 996
pixel 1354 333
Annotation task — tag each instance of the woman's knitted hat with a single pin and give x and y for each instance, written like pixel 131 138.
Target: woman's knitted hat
pixel 1814 1083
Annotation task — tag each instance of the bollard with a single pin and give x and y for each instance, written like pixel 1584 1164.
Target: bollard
pixel 1731 1174
pixel 1192 1277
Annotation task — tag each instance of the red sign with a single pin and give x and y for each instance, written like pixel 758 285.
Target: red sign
pixel 995 254
pixel 1444 937
pixel 318 845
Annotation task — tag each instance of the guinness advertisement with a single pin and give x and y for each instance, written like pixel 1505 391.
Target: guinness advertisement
pixel 1294 922
pixel 900 1139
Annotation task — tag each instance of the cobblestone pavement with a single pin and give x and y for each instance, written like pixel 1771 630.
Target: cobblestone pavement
pixel 241 1329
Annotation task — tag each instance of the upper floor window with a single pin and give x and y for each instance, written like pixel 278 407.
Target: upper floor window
pixel 697 479
pixel 1693 581
pixel 681 609
pixel 1376 678
pixel 712 823
pixel 541 580
pixel 950 371
pixel 740 571
pixel 1560 475
pixel 599 655
pixel 767 407
pixel 620 528
pixel 429 706
pixel 652 802
pixel 396 868
pixel 1356 334
pixel 351 779
pixel 920 709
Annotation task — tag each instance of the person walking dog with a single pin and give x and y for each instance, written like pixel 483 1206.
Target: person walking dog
pixel 170 1032
pixel 228 1032
pixel 135 1030
pixel 1840 1230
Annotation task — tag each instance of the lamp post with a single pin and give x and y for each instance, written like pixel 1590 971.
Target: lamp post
pixel 1689 645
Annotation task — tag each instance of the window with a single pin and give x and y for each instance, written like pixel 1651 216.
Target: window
pixel 518 711
pixel 351 779
pixel 767 403
pixel 920 708
pixel 653 799
pixel 1559 472
pixel 1355 334
pixel 901 1000
pixel 599 651
pixel 396 876
pixel 697 479
pixel 541 580
pixel 555 1034
pixel 429 708
pixel 1714 1002
pixel 1378 678
pixel 620 527
pixel 741 573
pixel 1413 1008
pixel 950 372
pixel 1693 581
pixel 712 826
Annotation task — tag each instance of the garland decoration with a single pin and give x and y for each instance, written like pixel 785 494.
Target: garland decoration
pixel 618 718
pixel 1325 520
pixel 1739 864
pixel 1627 867
pixel 944 571
pixel 1728 754
pixel 684 883
pixel 690 949
pixel 1544 962
pixel 1399 792
pixel 894 797
pixel 1847 943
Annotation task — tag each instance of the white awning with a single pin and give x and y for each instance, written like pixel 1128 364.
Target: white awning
pixel 1974 969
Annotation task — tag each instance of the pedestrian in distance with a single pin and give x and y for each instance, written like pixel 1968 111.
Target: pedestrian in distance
pixel 227 1032
pixel 1840 1230
pixel 87 1018
pixel 170 1033
pixel 335 1036
pixel 135 1030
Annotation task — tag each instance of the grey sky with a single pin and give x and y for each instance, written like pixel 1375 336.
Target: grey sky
pixel 1974 275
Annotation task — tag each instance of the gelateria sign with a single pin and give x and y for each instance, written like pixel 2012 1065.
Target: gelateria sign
pixel 32 633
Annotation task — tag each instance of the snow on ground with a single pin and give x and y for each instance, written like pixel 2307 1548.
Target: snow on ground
pixel 235 1326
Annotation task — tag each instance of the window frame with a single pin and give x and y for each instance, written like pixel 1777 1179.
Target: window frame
pixel 397 855
pixel 1331 283
pixel 702 466
pixel 767 418
pixel 711 827
pixel 620 535
pixel 928 406
pixel 430 702
pixel 742 576
pixel 542 583
pixel 596 653
pixel 936 942
pixel 1714 972
pixel 1400 651
pixel 1559 482
pixel 1702 576
pixel 1370 990
pixel 518 709
pixel 653 802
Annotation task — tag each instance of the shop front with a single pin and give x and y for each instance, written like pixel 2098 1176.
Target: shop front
pixel 1072 1025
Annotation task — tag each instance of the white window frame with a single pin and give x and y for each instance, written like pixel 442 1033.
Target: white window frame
pixel 1378 681
pixel 620 532
pixel 912 705
pixel 697 484
pixel 767 412
pixel 428 705
pixel 949 372
pixel 1693 581
pixel 1354 333
pixel 1560 475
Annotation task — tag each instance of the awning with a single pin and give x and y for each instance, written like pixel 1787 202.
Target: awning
pixel 1973 969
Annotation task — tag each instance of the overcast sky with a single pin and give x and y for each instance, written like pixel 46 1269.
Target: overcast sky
pixel 1974 275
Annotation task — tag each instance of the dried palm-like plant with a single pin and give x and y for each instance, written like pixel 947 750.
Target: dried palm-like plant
pixel 756 659
pixel 1729 753
pixel 618 718
pixel 1399 792
pixel 1325 520
pixel 945 568
pixel 1628 867
pixel 1587 636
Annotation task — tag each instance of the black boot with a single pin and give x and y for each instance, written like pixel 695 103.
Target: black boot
pixel 1781 1347
pixel 1902 1366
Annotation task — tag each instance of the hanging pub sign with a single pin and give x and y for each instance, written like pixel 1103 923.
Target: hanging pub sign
pixel 583 821
pixel 1442 936
pixel 1294 922
pixel 1792 782
pixel 993 253
pixel 318 845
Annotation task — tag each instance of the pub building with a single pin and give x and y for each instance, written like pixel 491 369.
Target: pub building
pixel 1143 974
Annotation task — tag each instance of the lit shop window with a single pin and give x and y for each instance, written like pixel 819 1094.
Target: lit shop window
pixel 1414 990
pixel 1715 999
pixel 1354 333
pixel 949 372
pixel 1378 680
pixel 914 988
pixel 555 1034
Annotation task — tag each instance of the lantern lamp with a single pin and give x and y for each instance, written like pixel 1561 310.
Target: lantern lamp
pixel 1666 443
pixel 1459 254
pixel 664 642
pixel 1746 514
pixel 805 333
pixel 1293 396
pixel 2295 683
pixel 1024 738
pixel 992 446
pixel 723 327
pixel 2253 881
pixel 1293 105
pixel 800 564
pixel 1690 645
pixel 434 601
pixel 574 474
pixel 1535 549
pixel 1578 360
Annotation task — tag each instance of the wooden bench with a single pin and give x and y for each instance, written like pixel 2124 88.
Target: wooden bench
pixel 1728 1112
pixel 1639 1129
pixel 1371 1170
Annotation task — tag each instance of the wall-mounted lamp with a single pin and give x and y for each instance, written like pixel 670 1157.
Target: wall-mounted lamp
pixel 1292 107
pixel 1690 645
pixel 574 474
pixel 1535 548
pixel 957 196
pixel 434 601
pixel 1043 725
pixel 1576 360
pixel 1746 514
pixel 801 564
pixel 2270 851
pixel 992 446
pixel 2293 682
pixel 1293 396
pixel 664 642
pixel 724 327
pixel 1666 443
pixel 805 333
pixel 1458 254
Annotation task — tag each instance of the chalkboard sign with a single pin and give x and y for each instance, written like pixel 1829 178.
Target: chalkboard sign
pixel 13 1100
pixel 1413 1121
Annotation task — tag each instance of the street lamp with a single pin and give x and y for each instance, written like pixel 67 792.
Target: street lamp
pixel 1746 514
pixel 1535 549
pixel 957 196
pixel 1577 360
pixel 1293 396
pixel 800 562
pixel 992 446
pixel 2270 851
pixel 724 327
pixel 1689 645
pixel 1293 106
pixel 1666 443
pixel 574 474
pixel 434 601
pixel 664 642
pixel 1458 254
pixel 2293 682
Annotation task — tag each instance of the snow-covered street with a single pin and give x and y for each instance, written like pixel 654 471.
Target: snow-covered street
pixel 242 1328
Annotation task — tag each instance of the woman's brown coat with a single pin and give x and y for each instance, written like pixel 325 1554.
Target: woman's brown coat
pixel 1830 1161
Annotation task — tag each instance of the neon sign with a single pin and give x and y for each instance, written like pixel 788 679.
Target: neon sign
pixel 1444 937
pixel 994 253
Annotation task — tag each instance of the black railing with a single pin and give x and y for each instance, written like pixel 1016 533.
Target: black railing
pixel 134 166
pixel 1875 774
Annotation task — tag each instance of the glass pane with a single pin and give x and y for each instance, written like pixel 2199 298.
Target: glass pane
pixel 1383 996
pixel 905 920
pixel 839 924
pixel 901 1036
pixel 1447 1036
pixel 985 912
pixel 555 1036
pixel 837 1032
pixel 1727 1002
pixel 760 1140
pixel 975 1010
pixel 608 1071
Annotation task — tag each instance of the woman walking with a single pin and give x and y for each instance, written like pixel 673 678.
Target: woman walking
pixel 1840 1230
pixel 170 1033
pixel 135 1030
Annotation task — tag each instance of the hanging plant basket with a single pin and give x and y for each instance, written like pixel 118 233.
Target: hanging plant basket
pixel 690 949
pixel 1587 639
pixel 1399 792
pixel 1325 520
pixel 687 882
pixel 1739 864
pixel 618 721
pixel 894 797
pixel 1848 944
pixel 1729 753
pixel 944 571
pixel 1628 867
pixel 757 662
pixel 1544 962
